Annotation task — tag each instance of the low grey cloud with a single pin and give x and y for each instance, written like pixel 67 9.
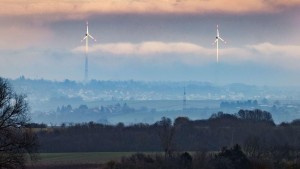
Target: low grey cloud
pixel 190 53
pixel 146 48
pixel 268 48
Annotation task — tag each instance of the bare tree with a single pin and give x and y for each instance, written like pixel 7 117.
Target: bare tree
pixel 166 134
pixel 17 142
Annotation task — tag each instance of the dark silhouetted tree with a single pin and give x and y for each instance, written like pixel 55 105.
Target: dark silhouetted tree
pixel 186 161
pixel 166 132
pixel 255 115
pixel 16 140
pixel 233 158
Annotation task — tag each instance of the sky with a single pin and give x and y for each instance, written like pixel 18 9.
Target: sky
pixel 150 40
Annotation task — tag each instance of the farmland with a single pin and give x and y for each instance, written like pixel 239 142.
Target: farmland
pixel 76 160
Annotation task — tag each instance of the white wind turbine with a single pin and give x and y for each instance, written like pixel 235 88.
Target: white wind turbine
pixel 86 38
pixel 217 42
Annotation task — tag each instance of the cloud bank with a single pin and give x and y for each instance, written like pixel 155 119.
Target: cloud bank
pixel 272 49
pixel 23 36
pixel 78 9
pixel 147 48
pixel 287 56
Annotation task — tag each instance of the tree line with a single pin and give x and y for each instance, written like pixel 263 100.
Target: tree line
pixel 181 134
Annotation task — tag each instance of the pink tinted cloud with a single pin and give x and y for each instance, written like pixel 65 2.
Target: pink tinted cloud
pixel 74 9
pixel 23 36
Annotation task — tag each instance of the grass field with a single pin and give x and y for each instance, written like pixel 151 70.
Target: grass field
pixel 90 157
pixel 76 160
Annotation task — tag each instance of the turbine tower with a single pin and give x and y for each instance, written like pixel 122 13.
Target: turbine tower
pixel 86 38
pixel 217 42
pixel 184 101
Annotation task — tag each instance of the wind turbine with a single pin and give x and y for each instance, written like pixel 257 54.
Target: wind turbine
pixel 86 38
pixel 217 42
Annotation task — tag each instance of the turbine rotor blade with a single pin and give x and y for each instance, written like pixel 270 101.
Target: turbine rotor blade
pixel 92 37
pixel 215 42
pixel 87 27
pixel 84 38
pixel 222 40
